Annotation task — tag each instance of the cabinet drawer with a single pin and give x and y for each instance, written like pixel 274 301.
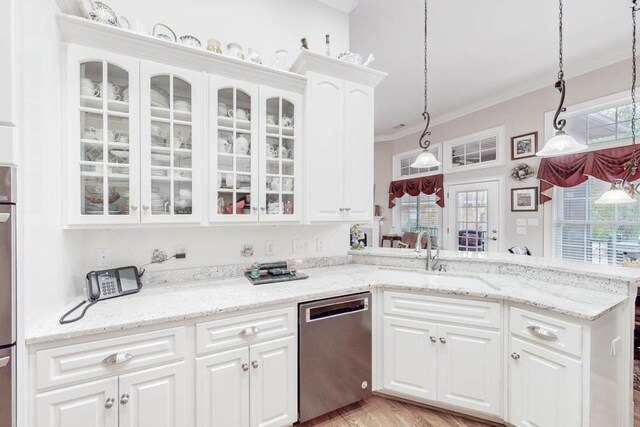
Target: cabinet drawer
pixel 242 330
pixel 546 331
pixel 462 311
pixel 83 362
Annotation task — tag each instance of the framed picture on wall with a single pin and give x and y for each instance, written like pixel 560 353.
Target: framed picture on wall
pixel 524 199
pixel 523 146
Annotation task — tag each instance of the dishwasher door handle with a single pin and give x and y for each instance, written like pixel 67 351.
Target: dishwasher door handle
pixel 341 308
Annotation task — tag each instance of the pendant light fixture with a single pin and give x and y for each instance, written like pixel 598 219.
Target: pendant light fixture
pixel 561 143
pixel 622 191
pixel 426 159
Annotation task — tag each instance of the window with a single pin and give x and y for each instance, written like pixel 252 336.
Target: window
pixel 419 213
pixel 603 124
pixel 402 164
pixel 476 151
pixel 472 220
pixel 599 234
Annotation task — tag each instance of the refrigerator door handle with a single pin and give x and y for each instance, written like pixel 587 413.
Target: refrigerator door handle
pixel 4 361
pixel 4 217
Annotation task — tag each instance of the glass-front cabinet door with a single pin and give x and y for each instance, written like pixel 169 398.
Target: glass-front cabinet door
pixel 103 147
pixel 233 153
pixel 280 155
pixel 171 145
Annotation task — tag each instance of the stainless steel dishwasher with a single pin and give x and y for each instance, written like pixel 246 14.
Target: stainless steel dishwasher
pixel 335 353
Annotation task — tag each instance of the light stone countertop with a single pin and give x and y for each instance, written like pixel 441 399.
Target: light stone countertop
pixel 162 304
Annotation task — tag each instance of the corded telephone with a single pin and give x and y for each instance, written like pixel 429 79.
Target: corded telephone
pixel 105 284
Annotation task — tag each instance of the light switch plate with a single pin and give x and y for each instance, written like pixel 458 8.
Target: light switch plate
pixel 103 257
pixel 521 230
pixel 532 222
pixel 320 244
pixel 268 247
pixel 521 222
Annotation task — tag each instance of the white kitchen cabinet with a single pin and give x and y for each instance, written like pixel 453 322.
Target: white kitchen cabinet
pixel 325 160
pixel 251 386
pixel 172 107
pixel 274 380
pixel 410 357
pixel 222 389
pixel 545 387
pixel 358 152
pixel 154 397
pixel 8 25
pixel 469 368
pixel 280 155
pixel 103 146
pixel 93 404
pixel 233 150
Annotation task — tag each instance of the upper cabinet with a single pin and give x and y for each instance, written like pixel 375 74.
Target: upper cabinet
pixel 171 155
pixel 8 68
pixel 102 137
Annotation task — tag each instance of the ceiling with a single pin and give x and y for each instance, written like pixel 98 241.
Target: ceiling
pixel 480 52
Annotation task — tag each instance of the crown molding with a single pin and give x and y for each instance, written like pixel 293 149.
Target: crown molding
pixel 342 5
pixel 533 86
pixel 311 61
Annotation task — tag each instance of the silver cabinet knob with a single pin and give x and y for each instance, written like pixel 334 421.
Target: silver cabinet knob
pixel 254 364
pixel 255 208
pixel 493 238
pixel 341 209
pixel 433 339
pixel 443 340
pixel 245 367
pixel 145 207
pixel 262 208
pixel 124 399
pixel 134 207
pixel 515 356
pixel 347 209
pixel 109 403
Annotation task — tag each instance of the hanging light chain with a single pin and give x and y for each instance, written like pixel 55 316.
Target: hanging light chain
pixel 425 60
pixel 634 9
pixel 560 43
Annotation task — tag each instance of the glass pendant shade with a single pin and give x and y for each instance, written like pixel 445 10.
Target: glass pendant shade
pixel 561 144
pixel 425 160
pixel 615 196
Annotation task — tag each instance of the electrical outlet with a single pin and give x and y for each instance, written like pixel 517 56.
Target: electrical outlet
pixel 320 244
pixel 268 248
pixel 181 250
pixel 103 257
pixel 299 245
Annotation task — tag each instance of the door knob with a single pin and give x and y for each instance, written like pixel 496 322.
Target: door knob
pixel 134 207
pixel 254 364
pixel 255 208
pixel 433 339
pixel 515 356
pixel 124 399
pixel 145 207
pixel 109 403
pixel 245 367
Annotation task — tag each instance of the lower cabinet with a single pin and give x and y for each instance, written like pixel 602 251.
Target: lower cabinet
pixel 149 398
pixel 251 386
pixel 545 387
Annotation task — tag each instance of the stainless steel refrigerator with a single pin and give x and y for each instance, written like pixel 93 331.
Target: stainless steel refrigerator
pixel 7 296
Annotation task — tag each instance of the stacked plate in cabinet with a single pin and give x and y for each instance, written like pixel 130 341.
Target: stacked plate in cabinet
pixel 159 98
pixel 182 104
pixel 158 202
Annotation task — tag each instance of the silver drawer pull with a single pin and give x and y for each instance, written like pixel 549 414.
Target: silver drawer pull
pixel 116 359
pixel 247 332
pixel 542 333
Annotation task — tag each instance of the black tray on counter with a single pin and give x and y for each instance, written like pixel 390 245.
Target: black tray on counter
pixel 269 278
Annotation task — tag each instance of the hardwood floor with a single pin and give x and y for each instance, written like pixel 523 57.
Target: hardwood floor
pixel 381 412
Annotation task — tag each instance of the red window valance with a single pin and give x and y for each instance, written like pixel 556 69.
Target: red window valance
pixel 574 169
pixel 414 186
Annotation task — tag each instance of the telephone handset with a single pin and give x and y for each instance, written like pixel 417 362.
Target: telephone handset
pixel 105 284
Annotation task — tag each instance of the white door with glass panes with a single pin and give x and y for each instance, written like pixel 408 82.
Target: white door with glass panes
pixel 171 145
pixel 280 155
pixel 103 162
pixel 474 217
pixel 233 150
pixel 358 146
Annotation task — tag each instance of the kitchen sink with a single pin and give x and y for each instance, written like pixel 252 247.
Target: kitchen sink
pixel 436 280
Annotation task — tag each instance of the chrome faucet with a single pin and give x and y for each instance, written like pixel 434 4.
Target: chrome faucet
pixel 432 260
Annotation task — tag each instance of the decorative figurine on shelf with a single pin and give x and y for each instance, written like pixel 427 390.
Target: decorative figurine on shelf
pixel 522 171
pixel 357 236
pixel 304 44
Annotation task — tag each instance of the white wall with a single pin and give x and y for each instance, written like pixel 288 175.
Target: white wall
pixel 267 25
pixel 214 245
pixel 520 115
